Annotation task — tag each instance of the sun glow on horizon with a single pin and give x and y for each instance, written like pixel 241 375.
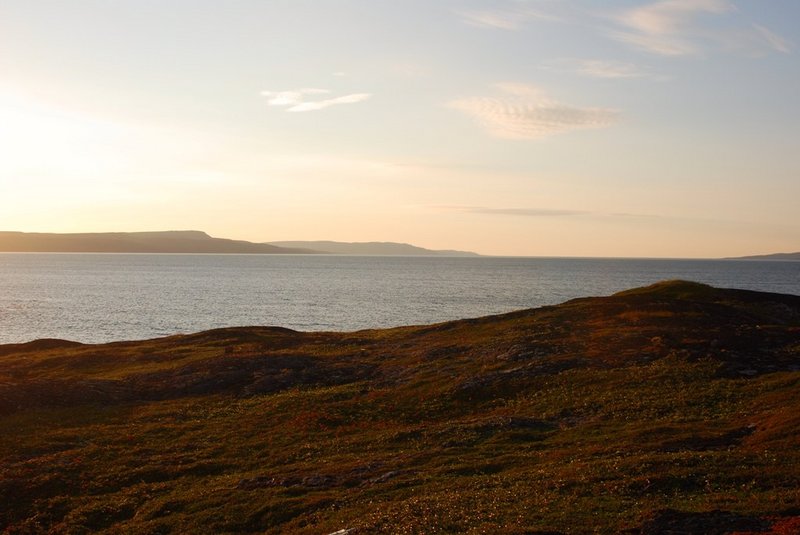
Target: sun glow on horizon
pixel 56 160
pixel 640 128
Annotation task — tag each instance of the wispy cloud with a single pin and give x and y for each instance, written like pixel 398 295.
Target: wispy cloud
pixel 526 212
pixel 609 69
pixel 291 98
pixel 671 28
pixel 525 112
pixel 662 27
pixel 665 27
pixel 504 19
pixel 670 16
pixel 771 39
pixel 598 68
pixel 295 100
pixel 322 104
pixel 538 212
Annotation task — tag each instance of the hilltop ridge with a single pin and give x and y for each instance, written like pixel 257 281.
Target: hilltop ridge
pixel 773 256
pixel 371 248
pixel 656 410
pixel 172 241
pixel 196 241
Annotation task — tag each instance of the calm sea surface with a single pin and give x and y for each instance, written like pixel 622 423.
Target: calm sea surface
pixel 104 297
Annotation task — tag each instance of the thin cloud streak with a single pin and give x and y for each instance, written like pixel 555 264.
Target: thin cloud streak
pixel 527 212
pixel 609 69
pixel 664 27
pixel 295 100
pixel 290 98
pixel 525 112
pixel 775 41
pixel 662 45
pixel 670 16
pixel 567 213
pixel 322 104
pixel 504 19
pixel 669 28
pixel 598 68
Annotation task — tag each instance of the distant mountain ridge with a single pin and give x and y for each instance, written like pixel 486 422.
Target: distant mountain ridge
pixel 775 256
pixel 195 241
pixel 369 248
pixel 172 241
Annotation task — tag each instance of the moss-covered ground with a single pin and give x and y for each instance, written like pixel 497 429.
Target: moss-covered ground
pixel 669 409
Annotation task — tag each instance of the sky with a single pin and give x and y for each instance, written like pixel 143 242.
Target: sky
pixel 667 128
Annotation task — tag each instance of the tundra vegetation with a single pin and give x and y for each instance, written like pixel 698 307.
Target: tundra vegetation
pixel 667 409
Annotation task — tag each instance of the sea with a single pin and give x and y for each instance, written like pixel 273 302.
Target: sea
pixel 95 298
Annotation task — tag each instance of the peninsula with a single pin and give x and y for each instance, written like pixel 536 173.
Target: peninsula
pixel 774 256
pixel 174 241
pixel 195 241
pixel 369 248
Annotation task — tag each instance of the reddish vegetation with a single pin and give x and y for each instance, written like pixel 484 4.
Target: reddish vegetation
pixel 667 409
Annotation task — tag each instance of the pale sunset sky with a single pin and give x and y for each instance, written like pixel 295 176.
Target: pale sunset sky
pixel 663 128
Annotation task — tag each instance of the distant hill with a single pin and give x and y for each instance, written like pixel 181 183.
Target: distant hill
pixel 776 256
pixel 173 241
pixel 666 409
pixel 370 248
pixel 195 241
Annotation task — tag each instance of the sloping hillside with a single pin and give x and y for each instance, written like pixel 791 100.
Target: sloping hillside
pixel 370 248
pixel 172 241
pixel 774 256
pixel 667 409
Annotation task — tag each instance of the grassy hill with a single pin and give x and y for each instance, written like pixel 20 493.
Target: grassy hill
pixel 667 409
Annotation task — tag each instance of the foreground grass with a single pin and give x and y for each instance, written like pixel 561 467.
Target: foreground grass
pixel 671 408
